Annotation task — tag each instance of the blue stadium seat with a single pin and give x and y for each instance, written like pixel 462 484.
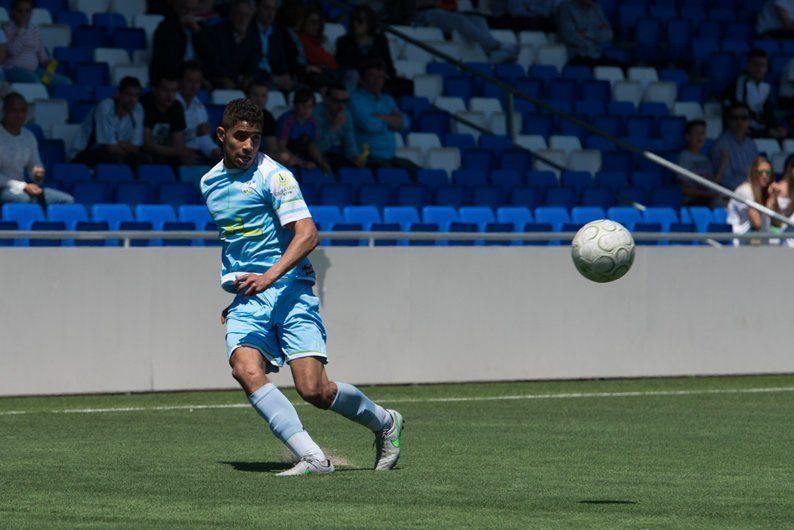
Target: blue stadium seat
pixel 104 92
pixel 543 72
pixel 646 180
pixel 444 69
pixel 69 214
pixel 78 110
pixel 499 228
pixel 600 144
pixel 178 226
pixel 316 176
pixel 625 215
pixel 564 197
pixel 460 140
pixel 378 195
pixel 490 196
pixel 589 108
pixel 415 104
pixel 91 192
pixel 509 71
pixel 340 195
pixel 667 196
pixel 647 33
pixel 671 131
pixel 516 159
pixel 640 127
pixel 90 226
pixel 326 216
pixel 52 152
pixel 134 192
pixel 347 227
pixel 700 216
pixel 610 124
pixel 46 226
pixel 618 161
pixel 458 226
pixel 355 175
pixel 424 227
pixel 647 227
pixel 541 179
pixel 496 143
pixel 414 196
pixel 531 87
pixel 526 197
pixel 665 216
pixel 392 176
pixel 140 226
pixel 434 122
pixel 112 214
pixel 596 90
pixel 90 73
pixel 362 215
pixel 192 174
pixel 197 214
pixel 113 172
pixel 385 227
pixel 156 214
pixel 518 216
pixel 480 215
pixel 719 227
pixel 8 225
pixel 460 86
pixel 479 159
pixel 109 21
pixel 596 196
pixel 537 123
pixel 53 6
pixel 73 93
pixel 402 215
pixel 23 214
pixel 678 37
pixel 611 179
pixel 130 39
pixel 90 37
pixel 577 180
pixel 73 19
pixel 556 216
pixel 432 178
pixel 156 174
pixel 469 177
pixel 577 73
pixel 621 108
pixel 70 173
pixel 506 178
pixel 721 71
pixel 584 214
pixel 628 16
pixel 441 216
pixel 454 196
pixel 653 109
pixel 631 195
pixel 561 88
pixel 693 11
pixel 177 194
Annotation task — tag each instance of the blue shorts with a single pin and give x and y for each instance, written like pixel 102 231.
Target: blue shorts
pixel 283 323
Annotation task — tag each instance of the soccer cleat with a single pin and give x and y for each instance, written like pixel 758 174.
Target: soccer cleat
pixel 308 466
pixel 387 443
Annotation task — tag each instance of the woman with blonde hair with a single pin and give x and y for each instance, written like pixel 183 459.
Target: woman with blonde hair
pixel 741 217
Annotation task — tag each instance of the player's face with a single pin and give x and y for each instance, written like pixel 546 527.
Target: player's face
pixel 191 84
pixel 128 98
pixel 258 95
pixel 240 144
pixel 15 114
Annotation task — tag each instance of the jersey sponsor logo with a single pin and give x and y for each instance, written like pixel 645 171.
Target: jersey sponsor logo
pixel 285 185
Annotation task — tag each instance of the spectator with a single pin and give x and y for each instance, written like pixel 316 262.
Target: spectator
pixel 236 52
pixel 311 32
pixel 786 90
pixel 274 66
pixel 3 54
pixel 376 118
pixel 751 89
pixel 736 145
pixel 19 153
pixel 258 92
pixel 297 134
pixel 692 159
pixel 781 193
pixel 584 28
pixel 164 124
pixel 755 187
pixel 178 39
pixel 776 19
pixel 335 136
pixel 198 134
pixel 25 53
pixel 520 15
pixel 364 43
pixel 113 131
pixel 444 14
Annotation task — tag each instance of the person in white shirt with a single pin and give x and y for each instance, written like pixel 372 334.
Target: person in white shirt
pixel 197 132
pixel 781 193
pixel 741 217
pixel 776 19
pixel 19 155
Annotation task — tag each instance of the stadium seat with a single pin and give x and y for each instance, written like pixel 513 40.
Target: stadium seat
pixel 89 73
pixel 478 215
pixel 564 197
pixel 441 216
pixel 224 96
pixel 461 141
pixel 69 214
pixel 54 35
pixel 432 178
pixel 197 214
pixel 23 214
pixel 556 216
pixel 625 215
pixel 134 192
pixel 177 194
pixel 553 155
pixel 611 179
pixel 89 193
pixel 663 215
pixel 518 216
pixel 52 151
pixel 378 195
pixel 402 215
pixel 192 174
pixel 611 74
pixel 110 22
pixel 506 178
pixel 90 7
pixel 414 196
pixel 490 196
pixel 340 195
pixel 112 214
pixel 326 216
pixel 316 177
pixel 45 226
pixel 525 196
pixel 156 214
pixel 584 214
pixel 113 172
pixel 469 177
pixel 515 159
pixel 627 91
pixel 667 196
pixel 392 176
pixel 86 36
pixel 454 196
pixel 68 174
pixel 588 160
pixel 128 8
pixel 355 176
pixel 576 179
pixel 156 174
pixel 364 216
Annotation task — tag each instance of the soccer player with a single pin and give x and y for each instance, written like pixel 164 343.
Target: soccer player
pixel 267 233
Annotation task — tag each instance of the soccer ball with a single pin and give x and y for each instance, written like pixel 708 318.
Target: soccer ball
pixel 603 250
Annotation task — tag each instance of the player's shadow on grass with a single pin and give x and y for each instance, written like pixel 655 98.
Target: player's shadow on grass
pixel 270 467
pixel 606 501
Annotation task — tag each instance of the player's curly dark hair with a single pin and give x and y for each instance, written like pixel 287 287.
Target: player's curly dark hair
pixel 242 110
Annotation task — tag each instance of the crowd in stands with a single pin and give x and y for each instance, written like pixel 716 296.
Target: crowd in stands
pixel 351 105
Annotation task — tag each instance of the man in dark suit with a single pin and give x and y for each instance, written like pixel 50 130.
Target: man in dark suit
pixel 236 52
pixel 178 39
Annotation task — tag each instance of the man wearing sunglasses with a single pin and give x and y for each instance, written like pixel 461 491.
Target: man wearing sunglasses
pixel 736 144
pixel 335 136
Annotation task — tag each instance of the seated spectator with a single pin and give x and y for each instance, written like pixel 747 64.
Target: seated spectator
pixel 25 54
pixel 164 124
pixel 178 39
pixel 692 159
pixel 520 15
pixel 198 135
pixel 786 89
pixel 335 136
pixel 584 29
pixel 776 19
pixel 236 52
pixel 444 14
pixel 365 43
pixel 376 118
pixel 312 37
pixel 751 89
pixel 297 134
pixel 257 93
pixel 755 187
pixel 112 132
pixel 781 193
pixel 19 154
pixel 274 66
pixel 736 145
pixel 3 54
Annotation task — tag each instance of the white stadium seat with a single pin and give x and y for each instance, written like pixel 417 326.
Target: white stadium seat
pixel 779 162
pixel 142 57
pixel 111 56
pixel 485 105
pixel 40 16
pixel 478 118
pixel 415 53
pixel 553 54
pixel 49 112
pixel 526 55
pixel 497 122
pixel 532 142
pixel 68 132
pixel 770 146
pixel 414 154
pixel 535 38
pixel 555 155
pixel 450 104
pixel 275 99
pixel 129 8
pixel 120 71
pixel 788 146
pixel 396 47
pixel 53 35
pixel 585 160
pixel 661 92
pixel 691 110
pixel 223 96
pixel 424 141
pixel 505 35
pixel 712 109
pixel 3 15
pixel 428 85
pixel 149 24
pixel 333 32
pixel 460 51
pixel 627 91
pixel 30 91
pixel 398 139
pixel 410 69
pixel 447 158
pixel 90 7
pixel 564 143
pixel 613 74
pixel 713 127
pixel 644 75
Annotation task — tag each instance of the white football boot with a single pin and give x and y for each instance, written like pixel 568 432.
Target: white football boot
pixel 387 443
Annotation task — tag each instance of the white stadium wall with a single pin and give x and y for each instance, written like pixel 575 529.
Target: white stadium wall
pixel 112 320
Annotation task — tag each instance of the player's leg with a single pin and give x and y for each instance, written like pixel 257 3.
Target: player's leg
pixel 280 415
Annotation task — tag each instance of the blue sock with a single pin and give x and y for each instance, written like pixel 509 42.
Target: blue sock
pixel 351 403
pixel 283 420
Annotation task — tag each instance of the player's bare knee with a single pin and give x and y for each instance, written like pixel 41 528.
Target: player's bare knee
pixel 247 372
pixel 315 393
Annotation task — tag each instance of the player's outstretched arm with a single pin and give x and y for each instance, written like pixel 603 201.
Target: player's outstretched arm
pixel 305 240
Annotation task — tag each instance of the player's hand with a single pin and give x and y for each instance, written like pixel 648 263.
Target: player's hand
pixel 34 190
pixel 250 284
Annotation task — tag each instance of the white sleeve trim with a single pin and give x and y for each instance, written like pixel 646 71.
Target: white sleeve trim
pixel 294 216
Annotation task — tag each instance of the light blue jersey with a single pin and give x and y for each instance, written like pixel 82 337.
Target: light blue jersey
pixel 251 208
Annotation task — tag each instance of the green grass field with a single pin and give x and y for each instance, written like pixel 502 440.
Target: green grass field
pixel 653 453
